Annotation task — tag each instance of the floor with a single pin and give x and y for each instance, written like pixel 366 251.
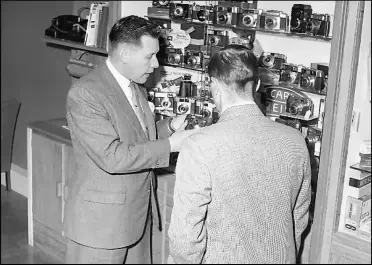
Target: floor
pixel 14 246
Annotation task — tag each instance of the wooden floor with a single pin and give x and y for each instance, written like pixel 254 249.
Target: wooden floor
pixel 14 246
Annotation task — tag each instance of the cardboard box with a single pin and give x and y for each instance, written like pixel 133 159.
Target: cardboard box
pixel 358 212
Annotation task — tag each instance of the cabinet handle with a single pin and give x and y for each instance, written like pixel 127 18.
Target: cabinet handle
pixel 66 193
pixel 59 189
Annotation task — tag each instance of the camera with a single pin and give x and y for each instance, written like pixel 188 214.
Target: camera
pixel 183 105
pixel 249 18
pixel 180 11
pixel 202 14
pixel 290 74
pixel 226 15
pixel 164 100
pixel 312 79
pixel 272 60
pixel 187 88
pixel 218 38
pixel 171 56
pixel 196 121
pixel 300 16
pixel 194 59
pixel 160 4
pixel 319 25
pixel 297 105
pixel 273 20
pixel 204 108
pixel 313 136
pixel 296 124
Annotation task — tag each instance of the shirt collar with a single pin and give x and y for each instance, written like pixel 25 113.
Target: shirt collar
pixel 122 80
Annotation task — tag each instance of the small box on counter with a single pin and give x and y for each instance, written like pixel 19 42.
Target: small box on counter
pixel 358 214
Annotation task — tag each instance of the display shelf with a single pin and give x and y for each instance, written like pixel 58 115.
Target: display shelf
pixel 357 167
pixel 275 33
pixel 75 45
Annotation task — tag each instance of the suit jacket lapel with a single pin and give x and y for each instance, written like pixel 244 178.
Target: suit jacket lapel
pixel 118 96
pixel 149 119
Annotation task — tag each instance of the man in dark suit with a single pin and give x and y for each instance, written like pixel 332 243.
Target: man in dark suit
pixel 242 190
pixel 116 146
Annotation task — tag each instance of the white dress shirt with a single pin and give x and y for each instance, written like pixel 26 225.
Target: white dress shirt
pixel 124 84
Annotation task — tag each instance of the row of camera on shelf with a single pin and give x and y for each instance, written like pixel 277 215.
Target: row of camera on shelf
pixel 243 15
pixel 289 74
pixel 194 99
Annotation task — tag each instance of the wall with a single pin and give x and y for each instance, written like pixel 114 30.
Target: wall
pixel 362 104
pixel 30 71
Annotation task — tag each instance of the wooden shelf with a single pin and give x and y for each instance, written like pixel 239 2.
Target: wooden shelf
pixel 74 45
pixel 274 33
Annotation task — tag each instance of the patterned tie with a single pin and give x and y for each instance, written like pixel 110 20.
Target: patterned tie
pixel 137 107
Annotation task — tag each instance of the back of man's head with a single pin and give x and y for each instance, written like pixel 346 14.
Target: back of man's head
pixel 236 66
pixel 130 29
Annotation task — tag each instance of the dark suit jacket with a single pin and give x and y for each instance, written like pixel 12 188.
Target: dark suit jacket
pixel 109 192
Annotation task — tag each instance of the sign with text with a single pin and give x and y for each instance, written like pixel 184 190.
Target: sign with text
pixel 276 99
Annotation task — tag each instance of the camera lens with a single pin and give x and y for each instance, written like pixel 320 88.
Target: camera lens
pixel 214 40
pixel 178 11
pixel 268 61
pixel 294 108
pixel 183 108
pixel 192 61
pixel 248 20
pixel 206 113
pixel 306 81
pixel 173 58
pixel 165 103
pixel 270 22
pixel 201 15
pixel 222 18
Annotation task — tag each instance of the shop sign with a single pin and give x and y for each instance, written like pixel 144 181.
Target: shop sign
pixel 276 99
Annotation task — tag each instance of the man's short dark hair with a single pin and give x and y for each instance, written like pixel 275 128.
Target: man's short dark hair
pixel 130 29
pixel 235 65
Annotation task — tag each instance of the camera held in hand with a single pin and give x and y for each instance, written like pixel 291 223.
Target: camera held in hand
pixel 164 101
pixel 195 121
pixel 299 106
pixel 183 105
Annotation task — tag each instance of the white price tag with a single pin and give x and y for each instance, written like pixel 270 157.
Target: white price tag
pixel 179 39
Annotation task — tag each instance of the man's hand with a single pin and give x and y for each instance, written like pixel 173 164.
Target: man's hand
pixel 176 138
pixel 179 123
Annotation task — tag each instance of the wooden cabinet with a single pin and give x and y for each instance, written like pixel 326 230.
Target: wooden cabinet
pixel 49 163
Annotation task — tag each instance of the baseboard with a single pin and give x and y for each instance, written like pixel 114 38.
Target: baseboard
pixel 18 180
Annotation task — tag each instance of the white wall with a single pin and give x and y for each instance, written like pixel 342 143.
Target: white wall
pixel 362 104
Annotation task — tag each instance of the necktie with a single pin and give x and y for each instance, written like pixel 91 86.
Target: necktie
pixel 137 107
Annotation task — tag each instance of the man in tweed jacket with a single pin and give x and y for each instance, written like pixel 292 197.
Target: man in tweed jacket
pixel 242 189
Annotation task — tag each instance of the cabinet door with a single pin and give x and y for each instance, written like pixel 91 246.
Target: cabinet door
pixel 47 181
pixel 67 171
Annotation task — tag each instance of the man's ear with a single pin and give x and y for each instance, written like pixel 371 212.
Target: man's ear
pixel 124 54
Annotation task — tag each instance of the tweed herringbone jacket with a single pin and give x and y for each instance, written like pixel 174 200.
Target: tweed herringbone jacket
pixel 242 192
